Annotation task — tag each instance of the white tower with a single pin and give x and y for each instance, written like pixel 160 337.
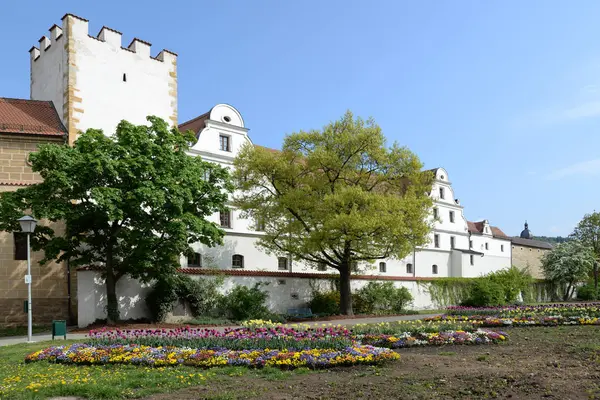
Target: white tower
pixel 94 82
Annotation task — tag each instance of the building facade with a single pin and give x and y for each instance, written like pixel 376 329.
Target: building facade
pixel 93 81
pixel 528 252
pixel 457 247
pixel 24 125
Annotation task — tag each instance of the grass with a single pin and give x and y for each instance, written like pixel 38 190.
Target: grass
pixel 210 321
pixel 22 330
pixel 19 381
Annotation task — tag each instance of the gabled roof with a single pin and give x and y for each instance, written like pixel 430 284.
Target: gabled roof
pixel 531 243
pixel 30 117
pixel 477 228
pixel 195 124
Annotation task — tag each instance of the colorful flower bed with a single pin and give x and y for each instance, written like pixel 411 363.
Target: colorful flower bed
pixel 566 309
pixel 278 337
pixel 85 354
pixel 437 339
pixel 540 320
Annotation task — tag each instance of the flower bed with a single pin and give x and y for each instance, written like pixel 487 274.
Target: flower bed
pixel 566 309
pixel 85 354
pixel 278 337
pixel 479 336
pixel 540 320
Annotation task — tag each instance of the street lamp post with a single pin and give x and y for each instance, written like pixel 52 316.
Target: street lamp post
pixel 28 224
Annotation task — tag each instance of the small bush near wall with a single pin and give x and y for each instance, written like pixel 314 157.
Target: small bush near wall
pixel 201 295
pixel 485 293
pixel 326 303
pixel 588 292
pixel 513 283
pixel 242 303
pixel 381 297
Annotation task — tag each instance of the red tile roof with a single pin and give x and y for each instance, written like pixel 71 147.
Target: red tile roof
pixel 31 117
pixel 6 183
pixel 196 124
pixel 477 227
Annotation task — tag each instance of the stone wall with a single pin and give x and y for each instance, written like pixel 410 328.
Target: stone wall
pixel 44 310
pixel 14 151
pixel 49 281
pixel 529 257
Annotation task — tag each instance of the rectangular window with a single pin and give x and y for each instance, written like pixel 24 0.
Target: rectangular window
pixel 501 247
pixel 282 263
pixel 224 143
pixel 434 269
pixel 452 240
pixel 472 259
pixel 20 245
pixel 487 247
pixel 260 225
pixel 322 267
pixel 237 261
pixel 452 216
pixel 470 244
pixel 442 194
pixel 382 267
pixel 436 241
pixel 195 260
pixel 225 218
pixel 436 213
pixel 354 266
pixel 409 268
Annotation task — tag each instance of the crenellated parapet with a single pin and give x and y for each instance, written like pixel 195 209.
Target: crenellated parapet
pixel 95 81
pixel 113 38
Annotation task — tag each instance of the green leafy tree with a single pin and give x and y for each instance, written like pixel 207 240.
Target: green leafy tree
pixel 336 197
pixel 131 202
pixel 588 232
pixel 568 264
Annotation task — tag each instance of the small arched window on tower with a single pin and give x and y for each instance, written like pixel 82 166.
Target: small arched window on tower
pixel 382 267
pixel 124 77
pixel 434 269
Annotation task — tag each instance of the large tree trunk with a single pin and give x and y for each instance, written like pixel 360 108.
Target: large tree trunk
pixel 112 305
pixel 345 293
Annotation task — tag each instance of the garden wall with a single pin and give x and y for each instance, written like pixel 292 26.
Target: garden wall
pixel 286 290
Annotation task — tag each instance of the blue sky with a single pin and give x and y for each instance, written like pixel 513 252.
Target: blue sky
pixel 504 94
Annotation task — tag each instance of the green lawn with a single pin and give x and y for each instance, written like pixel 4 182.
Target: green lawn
pixel 22 330
pixel 42 380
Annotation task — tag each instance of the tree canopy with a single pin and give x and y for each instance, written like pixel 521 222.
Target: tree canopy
pixel 336 197
pixel 588 232
pixel 131 202
pixel 568 263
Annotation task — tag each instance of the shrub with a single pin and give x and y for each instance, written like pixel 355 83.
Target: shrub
pixel 485 292
pixel 381 297
pixel 201 295
pixel 514 281
pixel 327 303
pixel 588 292
pixel 244 302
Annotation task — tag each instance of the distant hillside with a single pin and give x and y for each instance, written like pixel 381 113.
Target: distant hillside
pixel 551 239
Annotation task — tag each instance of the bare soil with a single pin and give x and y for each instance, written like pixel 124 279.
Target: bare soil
pixel 537 363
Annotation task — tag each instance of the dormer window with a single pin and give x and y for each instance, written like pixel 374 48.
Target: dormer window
pixel 224 143
pixel 442 177
pixel 227 118
pixel 442 194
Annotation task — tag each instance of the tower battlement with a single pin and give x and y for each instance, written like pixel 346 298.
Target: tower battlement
pixel 111 37
pixel 95 81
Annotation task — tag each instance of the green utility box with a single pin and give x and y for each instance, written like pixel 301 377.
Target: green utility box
pixel 59 328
